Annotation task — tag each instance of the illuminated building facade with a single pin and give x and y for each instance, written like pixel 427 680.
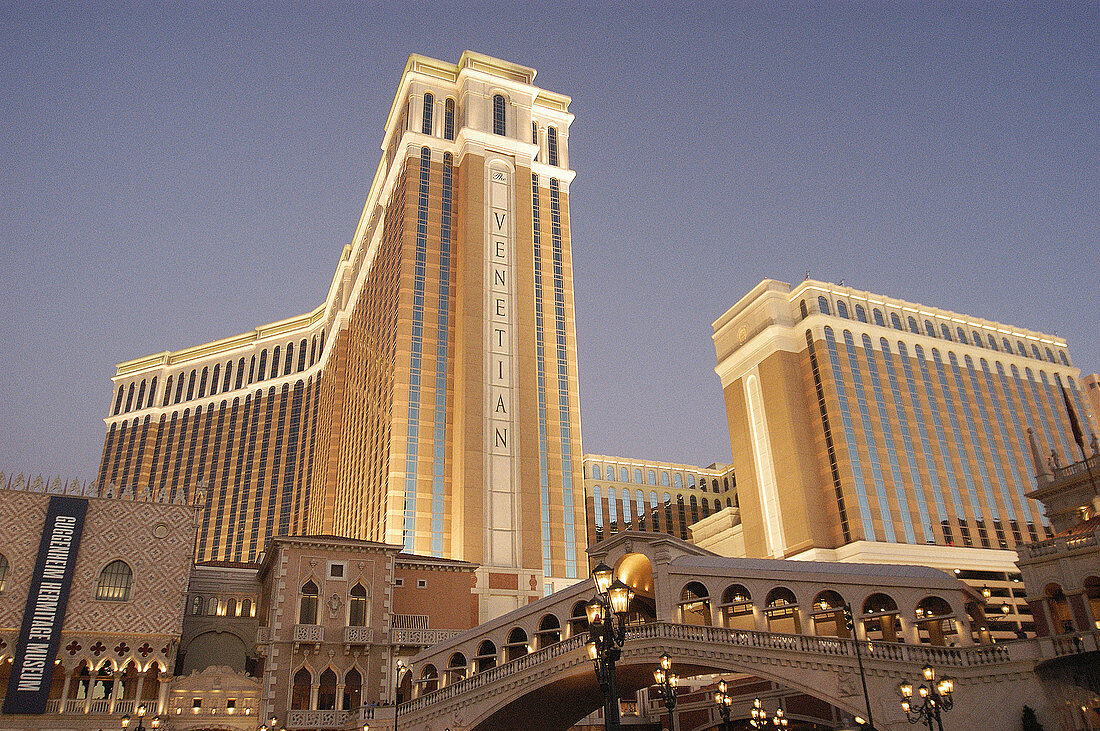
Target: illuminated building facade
pixel 652 496
pixel 868 428
pixel 431 400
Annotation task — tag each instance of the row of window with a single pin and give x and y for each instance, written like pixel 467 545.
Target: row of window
pixel 622 474
pixel 213 380
pixel 358 605
pixel 944 332
pixel 302 687
pixel 231 607
pixel 641 517
pixel 500 126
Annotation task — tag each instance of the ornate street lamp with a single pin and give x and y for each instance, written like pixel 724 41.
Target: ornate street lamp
pixel 667 680
pixel 397 689
pixel 606 635
pixel 935 697
pixel 154 722
pixel 723 700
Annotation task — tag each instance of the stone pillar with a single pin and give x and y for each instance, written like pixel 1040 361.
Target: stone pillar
pixel 65 691
pixel 1079 611
pixel 115 686
pixel 313 696
pixel 162 692
pixel 966 637
pixel 759 619
pixel 1040 615
pixel 339 702
pixel 908 630
pixel 137 693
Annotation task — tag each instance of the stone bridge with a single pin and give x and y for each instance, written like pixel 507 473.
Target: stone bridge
pixel 780 621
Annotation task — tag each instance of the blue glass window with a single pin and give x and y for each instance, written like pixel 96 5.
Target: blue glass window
pixel 426 122
pixel 878 318
pixel 895 321
pixel 929 330
pixel 849 437
pixel 842 309
pixel 861 314
pixel 823 305
pixel 498 114
pixel 596 472
pixel 552 145
pixel 913 327
pixel 449 119
pixel 861 396
pixel 890 444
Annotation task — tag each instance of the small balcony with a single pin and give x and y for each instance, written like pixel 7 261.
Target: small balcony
pixel 309 633
pixel 358 635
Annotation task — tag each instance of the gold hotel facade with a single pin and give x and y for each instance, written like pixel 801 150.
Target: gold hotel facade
pixel 869 428
pixel 431 400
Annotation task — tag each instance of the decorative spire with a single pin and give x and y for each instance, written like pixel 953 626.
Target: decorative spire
pixel 1042 473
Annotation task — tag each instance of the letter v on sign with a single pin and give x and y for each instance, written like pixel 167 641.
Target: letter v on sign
pixel 500 218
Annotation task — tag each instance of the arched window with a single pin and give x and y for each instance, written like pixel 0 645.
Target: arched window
pixel 486 657
pixel 549 631
pixel 578 619
pixel 1035 352
pixel 429 679
pixel 141 392
pixel 302 355
pixel 1061 355
pixel 1050 357
pixel 717 505
pixel 664 479
pixel 596 472
pixel 114 582
pixel 247 608
pixel 827 615
pixel 129 399
pixel 191 386
pixel 552 144
pixel 498 115
pixel 214 378
pixel 202 382
pixel 929 329
pixel 449 119
pixel 456 668
pixel 878 317
pixel 353 690
pixel 861 314
pixel 638 476
pixel 802 309
pixel 1020 348
pixel 231 608
pixel 516 646
pixel 961 334
pixel 3 571
pixel 667 499
pixel 597 506
pixel 736 608
pixel 212 606
pixel 933 615
pixel 118 401
pixel 612 511
pixel 299 694
pixel 677 480
pixel 240 373
pixel 694 604
pixel 895 321
pixel 823 305
pixel 307 607
pixel 682 517
pixel 651 477
pixel 625 474
pixel 694 503
pixel 227 376
pixel 289 358
pixel 705 505
pixel 326 691
pixel 977 338
pixel 913 328
pixel 426 123
pixel 992 342
pixel 781 610
pixel 842 309
pixel 263 365
pixel 196 605
pixel 167 392
pixel 1007 345
pixel 357 606
pixel 946 331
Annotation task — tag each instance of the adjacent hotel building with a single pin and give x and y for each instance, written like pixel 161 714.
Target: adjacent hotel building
pixel 868 428
pixel 430 401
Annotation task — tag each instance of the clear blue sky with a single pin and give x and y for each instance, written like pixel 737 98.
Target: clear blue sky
pixel 176 173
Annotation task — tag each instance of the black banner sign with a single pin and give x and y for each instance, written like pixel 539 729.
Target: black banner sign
pixel 32 669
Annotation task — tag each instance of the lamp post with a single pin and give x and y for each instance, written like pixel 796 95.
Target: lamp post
pixel 606 635
pixel 850 623
pixel 154 722
pixel 396 690
pixel 723 700
pixel 935 697
pixel 667 680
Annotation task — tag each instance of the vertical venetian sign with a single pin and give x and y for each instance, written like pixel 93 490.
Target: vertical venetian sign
pixel 500 398
pixel 40 636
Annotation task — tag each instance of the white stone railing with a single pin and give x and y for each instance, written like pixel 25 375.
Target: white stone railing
pixel 309 633
pixel 912 655
pixel 1092 462
pixel 1061 544
pixel 53 705
pixel 1069 644
pixel 422 637
pixel 358 635
pixel 73 705
pixel 317 719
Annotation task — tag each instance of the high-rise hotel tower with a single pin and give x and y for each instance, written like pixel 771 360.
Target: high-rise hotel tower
pixel 869 428
pixel 431 400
